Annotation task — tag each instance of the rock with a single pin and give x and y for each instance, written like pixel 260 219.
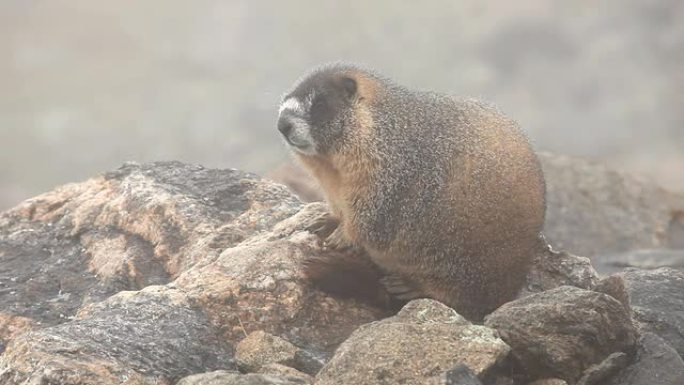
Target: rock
pixel 260 285
pixel 594 210
pixel 215 253
pixel 551 269
pixel 614 286
pixel 140 225
pixel 157 272
pixel 424 340
pixel 459 375
pixel 218 377
pixel 656 363
pixel 222 377
pixel 260 348
pixel 563 331
pixel 657 299
pixel 501 380
pixel 285 371
pixel 598 374
pixel 548 381
pixel 143 337
pixel 650 259
pixel 10 326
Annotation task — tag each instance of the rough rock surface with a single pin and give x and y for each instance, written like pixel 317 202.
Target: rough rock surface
pixel 222 377
pixel 134 227
pixel 657 299
pixel 551 269
pixel 423 340
pixel 225 245
pixel 155 333
pixel 259 285
pixel 285 371
pixel 459 375
pixel 549 381
pixel 600 373
pixel 656 363
pixel 563 331
pixel 156 272
pixel 260 348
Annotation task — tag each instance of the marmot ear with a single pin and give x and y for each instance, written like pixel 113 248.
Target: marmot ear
pixel 349 86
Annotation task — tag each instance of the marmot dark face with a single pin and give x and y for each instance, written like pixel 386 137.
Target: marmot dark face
pixel 314 118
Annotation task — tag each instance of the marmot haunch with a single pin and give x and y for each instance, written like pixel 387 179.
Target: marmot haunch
pixel 446 196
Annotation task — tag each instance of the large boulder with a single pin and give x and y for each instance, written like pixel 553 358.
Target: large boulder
pixel 137 226
pixel 425 339
pixel 647 259
pixel 657 300
pixel 157 272
pixel 656 363
pixel 207 256
pixel 564 331
pixel 222 377
pixel 140 337
pixel 593 210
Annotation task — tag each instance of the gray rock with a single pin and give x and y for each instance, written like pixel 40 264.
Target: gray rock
pixel 218 377
pixel 643 259
pixel 212 255
pixel 260 285
pixel 459 375
pixel 657 299
pixel 424 340
pixel 137 226
pixel 551 269
pixel 143 337
pixel 226 246
pixel 233 378
pixel 614 286
pixel 598 374
pixel 656 363
pixel 594 210
pixel 260 348
pixel 548 381
pixel 563 331
pixel 285 371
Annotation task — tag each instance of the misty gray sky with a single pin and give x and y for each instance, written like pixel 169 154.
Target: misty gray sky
pixel 88 85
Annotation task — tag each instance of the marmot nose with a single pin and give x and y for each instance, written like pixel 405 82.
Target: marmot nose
pixel 285 126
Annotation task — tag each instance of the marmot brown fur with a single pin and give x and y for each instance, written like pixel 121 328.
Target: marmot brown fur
pixel 446 196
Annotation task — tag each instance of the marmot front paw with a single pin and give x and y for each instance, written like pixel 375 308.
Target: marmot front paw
pixel 337 241
pixel 323 226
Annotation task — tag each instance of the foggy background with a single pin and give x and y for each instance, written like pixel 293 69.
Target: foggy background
pixel 86 85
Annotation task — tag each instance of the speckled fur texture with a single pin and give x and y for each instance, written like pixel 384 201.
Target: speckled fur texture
pixel 445 195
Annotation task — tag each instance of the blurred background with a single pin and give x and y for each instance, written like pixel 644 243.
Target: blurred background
pixel 86 85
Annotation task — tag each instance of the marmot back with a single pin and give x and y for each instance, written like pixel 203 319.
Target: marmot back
pixel 446 196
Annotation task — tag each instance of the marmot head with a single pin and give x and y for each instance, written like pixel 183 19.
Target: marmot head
pixel 320 112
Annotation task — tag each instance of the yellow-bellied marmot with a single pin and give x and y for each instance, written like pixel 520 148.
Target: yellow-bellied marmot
pixel 446 196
